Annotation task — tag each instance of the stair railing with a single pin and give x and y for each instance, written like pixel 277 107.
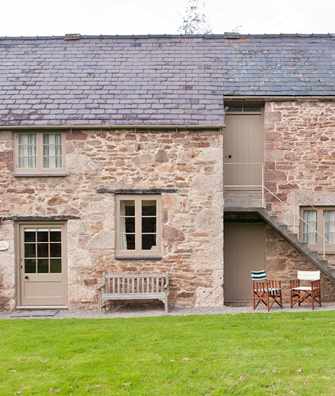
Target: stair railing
pixel 239 181
pixel 262 187
pixel 300 218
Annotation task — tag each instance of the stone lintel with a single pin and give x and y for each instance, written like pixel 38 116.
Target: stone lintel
pixel 135 191
pixel 39 218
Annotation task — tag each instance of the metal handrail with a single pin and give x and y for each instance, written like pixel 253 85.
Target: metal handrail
pixel 323 239
pixel 260 186
pixel 264 189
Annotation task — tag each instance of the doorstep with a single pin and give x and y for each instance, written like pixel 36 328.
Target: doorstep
pixel 35 307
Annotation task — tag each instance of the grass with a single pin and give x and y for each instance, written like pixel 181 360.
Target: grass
pixel 246 354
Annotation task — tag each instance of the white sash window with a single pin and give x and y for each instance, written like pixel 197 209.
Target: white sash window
pixel 39 153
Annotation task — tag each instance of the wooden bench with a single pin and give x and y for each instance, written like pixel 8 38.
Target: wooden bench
pixel 134 286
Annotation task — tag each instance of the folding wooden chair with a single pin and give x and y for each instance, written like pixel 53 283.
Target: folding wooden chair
pixel 265 291
pixel 306 286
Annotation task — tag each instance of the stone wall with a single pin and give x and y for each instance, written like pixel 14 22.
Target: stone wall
pixel 299 155
pixel 300 158
pixel 189 161
pixel 282 261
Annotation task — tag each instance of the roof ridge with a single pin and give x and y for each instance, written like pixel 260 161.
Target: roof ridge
pixel 226 35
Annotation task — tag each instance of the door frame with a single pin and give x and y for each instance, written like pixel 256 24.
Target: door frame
pixel 18 258
pixel 240 114
pixel 241 223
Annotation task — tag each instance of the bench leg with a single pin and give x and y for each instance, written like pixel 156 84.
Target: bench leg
pixel 166 306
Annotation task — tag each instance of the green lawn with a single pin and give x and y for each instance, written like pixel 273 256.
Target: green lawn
pixel 246 354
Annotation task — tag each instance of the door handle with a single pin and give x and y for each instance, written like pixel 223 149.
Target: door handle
pixel 26 277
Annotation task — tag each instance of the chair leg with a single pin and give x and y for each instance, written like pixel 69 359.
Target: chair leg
pixel 312 295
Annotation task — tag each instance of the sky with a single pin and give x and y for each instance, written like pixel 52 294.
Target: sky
pixel 57 17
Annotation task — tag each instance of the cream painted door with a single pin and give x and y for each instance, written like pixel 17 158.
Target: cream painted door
pixel 243 149
pixel 244 251
pixel 42 265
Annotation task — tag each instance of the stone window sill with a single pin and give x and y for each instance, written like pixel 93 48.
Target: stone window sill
pixel 41 174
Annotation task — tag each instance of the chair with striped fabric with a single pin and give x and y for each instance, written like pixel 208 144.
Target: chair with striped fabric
pixel 265 291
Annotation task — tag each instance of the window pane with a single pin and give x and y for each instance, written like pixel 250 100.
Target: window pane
pixel 234 107
pixel 329 219
pixel 55 250
pixel 29 236
pixel 127 241
pixel 127 208
pixel 43 266
pixel 29 266
pixel 252 107
pixel 149 208
pixel 26 151
pixel 243 107
pixel 309 226
pixel 148 241
pixel 52 150
pixel 55 265
pixel 129 224
pixel 55 236
pixel 29 250
pixel 148 224
pixel 43 250
pixel 42 235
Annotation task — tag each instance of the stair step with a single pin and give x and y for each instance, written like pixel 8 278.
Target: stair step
pixel 294 238
pixel 323 261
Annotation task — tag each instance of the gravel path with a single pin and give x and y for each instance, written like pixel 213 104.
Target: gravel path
pixel 129 313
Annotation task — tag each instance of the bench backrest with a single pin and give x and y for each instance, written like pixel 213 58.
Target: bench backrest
pixel 130 282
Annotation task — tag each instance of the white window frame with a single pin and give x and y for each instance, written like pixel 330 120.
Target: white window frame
pixel 39 170
pixel 320 228
pixel 138 252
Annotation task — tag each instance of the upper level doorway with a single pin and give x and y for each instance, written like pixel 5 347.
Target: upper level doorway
pixel 244 155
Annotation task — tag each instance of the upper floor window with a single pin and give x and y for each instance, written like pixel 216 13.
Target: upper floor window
pixel 138 226
pixel 39 153
pixel 318 227
pixel 244 107
pixel 310 226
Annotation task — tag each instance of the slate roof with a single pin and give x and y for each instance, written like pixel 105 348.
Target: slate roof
pixel 283 65
pixel 154 80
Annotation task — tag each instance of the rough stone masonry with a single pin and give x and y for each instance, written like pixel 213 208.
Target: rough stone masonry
pixel 189 162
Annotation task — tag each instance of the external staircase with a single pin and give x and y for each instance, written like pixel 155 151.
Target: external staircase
pixel 315 258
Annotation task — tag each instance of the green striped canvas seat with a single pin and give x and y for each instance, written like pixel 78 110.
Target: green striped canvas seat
pixel 258 275
pixel 273 290
pixel 265 291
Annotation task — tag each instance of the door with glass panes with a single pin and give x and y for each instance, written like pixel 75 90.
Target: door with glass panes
pixel 42 265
